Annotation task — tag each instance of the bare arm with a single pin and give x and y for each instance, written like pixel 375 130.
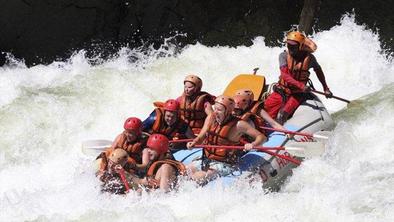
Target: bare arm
pixel 116 141
pixel 321 77
pixel 208 108
pixel 272 122
pixel 145 159
pixel 201 136
pixel 114 145
pixel 247 129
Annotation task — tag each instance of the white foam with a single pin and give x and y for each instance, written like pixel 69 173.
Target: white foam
pixel 46 111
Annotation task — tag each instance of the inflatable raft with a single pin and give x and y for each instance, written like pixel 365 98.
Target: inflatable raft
pixel 311 117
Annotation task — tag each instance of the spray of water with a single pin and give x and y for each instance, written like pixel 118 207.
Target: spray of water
pixel 46 111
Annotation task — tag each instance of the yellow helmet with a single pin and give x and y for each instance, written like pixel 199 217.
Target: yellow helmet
pixel 296 36
pixel 195 80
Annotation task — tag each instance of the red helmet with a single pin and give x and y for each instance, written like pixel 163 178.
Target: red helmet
pixel 158 142
pixel 171 105
pixel 133 123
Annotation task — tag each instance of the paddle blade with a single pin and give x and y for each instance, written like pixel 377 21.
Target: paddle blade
pixel 305 149
pixel 296 151
pixel 322 136
pixel 95 147
pixel 255 83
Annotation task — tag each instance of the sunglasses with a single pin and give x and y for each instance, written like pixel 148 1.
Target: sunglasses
pixel 292 47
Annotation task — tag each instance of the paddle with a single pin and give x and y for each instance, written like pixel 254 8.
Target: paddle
pixel 309 149
pixel 268 150
pixel 181 140
pixel 315 135
pixel 95 147
pixel 288 158
pixel 335 97
pixel 301 149
pixel 123 178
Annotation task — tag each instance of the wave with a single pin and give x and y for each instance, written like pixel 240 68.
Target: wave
pixel 47 110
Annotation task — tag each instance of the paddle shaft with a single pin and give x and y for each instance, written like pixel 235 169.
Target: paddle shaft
pixel 288 158
pixel 261 148
pixel 123 178
pixel 181 140
pixel 335 97
pixel 292 132
pixel 268 150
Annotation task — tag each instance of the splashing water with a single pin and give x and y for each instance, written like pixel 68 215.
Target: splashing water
pixel 46 111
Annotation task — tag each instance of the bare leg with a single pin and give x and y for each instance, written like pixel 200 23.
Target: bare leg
pixel 200 176
pixel 195 173
pixel 166 176
pixel 191 169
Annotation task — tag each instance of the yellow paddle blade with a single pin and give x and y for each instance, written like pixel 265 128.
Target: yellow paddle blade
pixel 158 104
pixel 255 83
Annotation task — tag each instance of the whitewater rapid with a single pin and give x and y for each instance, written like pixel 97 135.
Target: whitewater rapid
pixel 46 111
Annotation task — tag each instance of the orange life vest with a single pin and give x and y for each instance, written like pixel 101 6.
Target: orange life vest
pixel 133 149
pixel 193 112
pixel 218 135
pixel 160 126
pixel 150 174
pixel 298 70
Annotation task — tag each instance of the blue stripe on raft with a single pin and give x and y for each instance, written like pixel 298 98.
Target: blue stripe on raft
pixel 248 161
pixel 188 155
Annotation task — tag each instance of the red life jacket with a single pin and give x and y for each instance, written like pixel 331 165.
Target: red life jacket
pixel 193 112
pixel 160 126
pixel 133 149
pixel 218 135
pixel 299 70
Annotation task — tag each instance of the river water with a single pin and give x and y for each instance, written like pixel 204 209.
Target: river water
pixel 47 110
